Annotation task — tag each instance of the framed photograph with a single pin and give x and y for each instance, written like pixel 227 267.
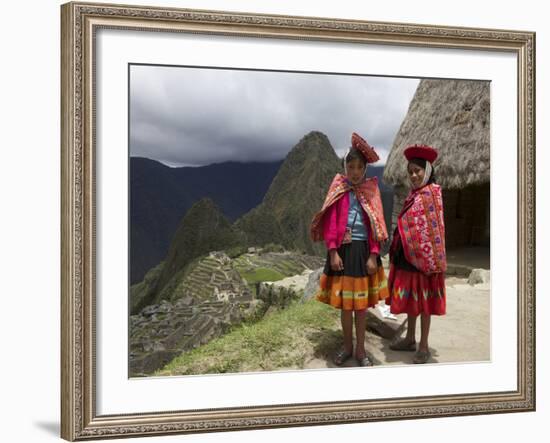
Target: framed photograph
pixel 200 153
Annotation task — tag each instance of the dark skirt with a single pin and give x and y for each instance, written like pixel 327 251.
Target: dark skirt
pixel 352 288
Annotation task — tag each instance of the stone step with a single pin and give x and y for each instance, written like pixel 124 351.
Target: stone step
pixel 209 261
pixel 212 301
pixel 184 309
pixel 196 285
pixel 207 273
pixel 193 280
pixel 204 274
pixel 207 305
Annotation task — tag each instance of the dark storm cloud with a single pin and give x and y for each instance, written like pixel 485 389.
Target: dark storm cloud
pixel 188 116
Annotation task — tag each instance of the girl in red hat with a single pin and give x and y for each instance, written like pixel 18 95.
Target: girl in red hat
pixel 351 222
pixel 417 254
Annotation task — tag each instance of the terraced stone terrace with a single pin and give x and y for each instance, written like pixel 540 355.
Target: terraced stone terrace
pixel 160 332
pixel 212 296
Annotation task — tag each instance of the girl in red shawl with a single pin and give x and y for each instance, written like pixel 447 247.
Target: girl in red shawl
pixel 417 254
pixel 352 225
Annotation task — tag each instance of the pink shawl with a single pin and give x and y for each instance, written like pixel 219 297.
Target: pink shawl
pixel 368 196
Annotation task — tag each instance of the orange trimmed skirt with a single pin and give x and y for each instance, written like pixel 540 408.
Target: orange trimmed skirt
pixel 352 289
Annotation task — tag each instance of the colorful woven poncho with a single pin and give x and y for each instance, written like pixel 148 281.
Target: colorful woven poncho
pixel 368 196
pixel 422 229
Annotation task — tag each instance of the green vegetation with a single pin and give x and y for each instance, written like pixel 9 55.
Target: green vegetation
pixel 284 266
pixel 261 274
pixel 283 339
pixel 203 229
pixel 140 292
pixel 296 193
pixel 288 268
pixel 235 251
pixel 257 275
pixel 273 247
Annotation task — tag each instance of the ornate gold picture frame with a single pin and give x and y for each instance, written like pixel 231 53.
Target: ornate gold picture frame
pixel 81 22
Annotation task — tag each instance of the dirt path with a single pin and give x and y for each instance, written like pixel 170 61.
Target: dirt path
pixel 462 335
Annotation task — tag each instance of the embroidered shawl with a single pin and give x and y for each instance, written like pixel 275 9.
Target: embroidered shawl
pixel 368 196
pixel 422 229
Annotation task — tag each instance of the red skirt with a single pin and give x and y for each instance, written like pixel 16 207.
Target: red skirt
pixel 413 293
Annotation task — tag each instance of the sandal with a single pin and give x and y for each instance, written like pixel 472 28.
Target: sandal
pixel 421 357
pixel 403 345
pixel 341 357
pixel 365 361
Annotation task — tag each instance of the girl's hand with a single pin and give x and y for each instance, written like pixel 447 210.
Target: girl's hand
pixel 372 266
pixel 336 263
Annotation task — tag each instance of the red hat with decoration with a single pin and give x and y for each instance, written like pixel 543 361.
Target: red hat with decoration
pixel 421 151
pixel 361 144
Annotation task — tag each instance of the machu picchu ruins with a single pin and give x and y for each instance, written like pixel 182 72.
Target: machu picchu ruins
pixel 216 293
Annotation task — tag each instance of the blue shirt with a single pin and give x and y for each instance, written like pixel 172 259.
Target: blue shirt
pixel 359 231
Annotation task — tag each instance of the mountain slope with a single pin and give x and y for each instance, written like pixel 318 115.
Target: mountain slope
pixel 203 229
pixel 160 196
pixel 296 193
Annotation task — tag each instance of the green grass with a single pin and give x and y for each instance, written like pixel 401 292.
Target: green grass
pixel 283 339
pixel 289 268
pixel 261 274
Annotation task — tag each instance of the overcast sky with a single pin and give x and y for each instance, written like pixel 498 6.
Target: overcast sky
pixel 197 116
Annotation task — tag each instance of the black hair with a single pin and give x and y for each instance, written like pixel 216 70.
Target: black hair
pixel 355 154
pixel 422 163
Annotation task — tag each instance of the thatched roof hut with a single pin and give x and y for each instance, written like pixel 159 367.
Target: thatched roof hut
pixel 452 116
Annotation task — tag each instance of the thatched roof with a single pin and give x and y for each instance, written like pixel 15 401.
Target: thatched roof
pixel 452 116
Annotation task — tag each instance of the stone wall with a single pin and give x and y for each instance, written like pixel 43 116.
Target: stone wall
pixel 209 300
pixel 161 332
